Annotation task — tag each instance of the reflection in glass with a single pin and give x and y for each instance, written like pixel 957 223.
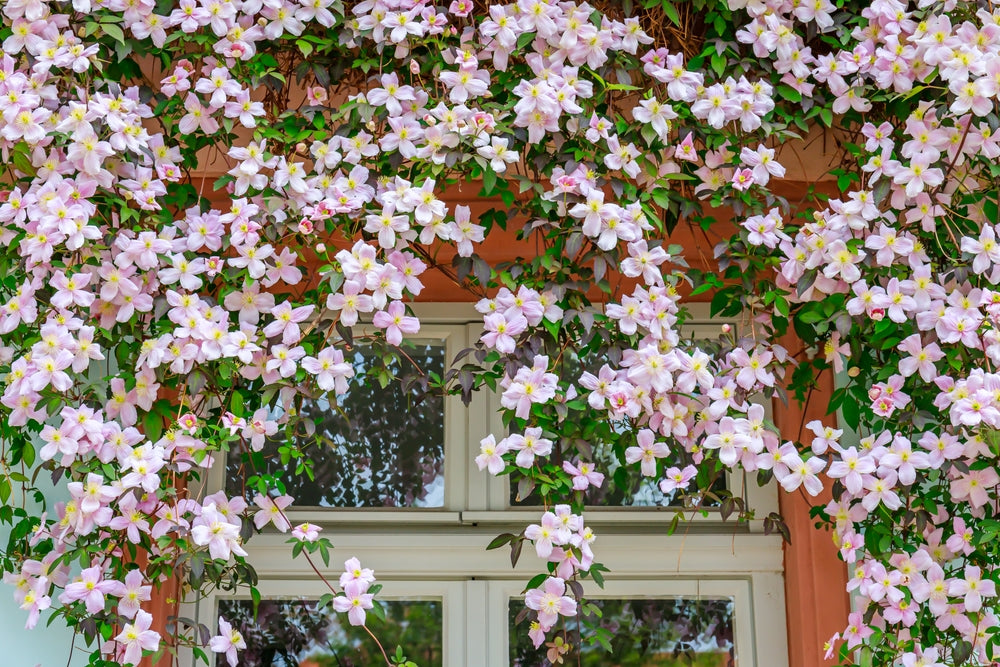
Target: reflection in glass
pixel 373 447
pixel 665 632
pixel 597 439
pixel 292 633
pixel 629 488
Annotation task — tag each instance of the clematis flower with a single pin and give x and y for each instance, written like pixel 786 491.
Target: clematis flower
pixel 132 593
pixel 91 588
pixel 491 453
pixel 272 511
pixel 228 642
pixel 354 601
pixel 550 602
pixel 395 322
pixel 583 475
pixel 136 637
pixel 306 532
pixel 330 369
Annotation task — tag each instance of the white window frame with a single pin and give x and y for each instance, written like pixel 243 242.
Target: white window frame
pixel 421 553
pixel 455 337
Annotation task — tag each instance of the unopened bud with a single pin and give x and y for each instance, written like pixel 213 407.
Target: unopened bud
pixel 726 328
pixel 414 67
pixel 321 248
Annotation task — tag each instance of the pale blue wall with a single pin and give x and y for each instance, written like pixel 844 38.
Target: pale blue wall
pixel 47 646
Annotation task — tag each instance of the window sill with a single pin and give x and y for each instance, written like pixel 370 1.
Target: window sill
pixel 376 516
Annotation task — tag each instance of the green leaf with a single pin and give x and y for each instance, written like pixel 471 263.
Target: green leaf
pixel 28 454
pixel 851 411
pixel 500 540
pixel 112 31
pixel 826 116
pixel 378 611
pixel 789 93
pixel 671 12
pixel 662 197
pixel 524 40
pixel 535 581
pixel 622 86
pixel 152 425
pixel 718 64
pixel 811 316
pixel 21 160
pixel 489 181
pixel 255 597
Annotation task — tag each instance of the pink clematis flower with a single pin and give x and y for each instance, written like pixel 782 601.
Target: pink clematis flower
pixel 136 637
pixel 583 475
pixel 396 322
pixel 90 587
pixel 228 641
pixel 272 511
pixel 354 601
pixel 550 602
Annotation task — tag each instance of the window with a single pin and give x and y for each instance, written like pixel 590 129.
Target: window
pixel 373 446
pixel 424 532
pixel 289 632
pixel 690 628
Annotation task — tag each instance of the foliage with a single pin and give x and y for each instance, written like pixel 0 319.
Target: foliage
pixel 155 323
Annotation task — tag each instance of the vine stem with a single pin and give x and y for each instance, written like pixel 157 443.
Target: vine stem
pixel 326 581
pixel 333 590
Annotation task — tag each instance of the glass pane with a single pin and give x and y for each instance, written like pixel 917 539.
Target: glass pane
pixel 291 633
pixel 594 435
pixel 665 632
pixel 629 489
pixel 373 447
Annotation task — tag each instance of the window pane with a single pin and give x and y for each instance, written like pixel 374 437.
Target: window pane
pixel 373 447
pixel 665 632
pixel 291 633
pixel 596 438
pixel 629 488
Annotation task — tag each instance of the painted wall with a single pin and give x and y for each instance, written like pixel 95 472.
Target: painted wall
pixel 44 646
